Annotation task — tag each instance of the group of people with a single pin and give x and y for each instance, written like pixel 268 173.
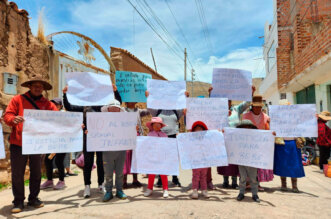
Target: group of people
pixel 164 123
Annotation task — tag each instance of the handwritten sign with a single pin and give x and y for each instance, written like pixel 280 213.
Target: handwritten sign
pixel 89 89
pixel 234 84
pixel 47 132
pixel 294 120
pixel 213 112
pixel 111 131
pixel 155 155
pixel 250 147
pixel 132 85
pixel 2 145
pixel 167 95
pixel 202 149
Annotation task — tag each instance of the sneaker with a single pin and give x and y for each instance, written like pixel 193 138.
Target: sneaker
pixel 235 186
pixel 210 186
pixel 121 195
pixel 165 194
pixel 101 189
pixel 148 192
pixel 47 184
pixel 37 203
pixel 205 194
pixel 195 194
pixel 136 184
pixel 256 198
pixel 60 185
pixel 225 185
pixel 240 197
pixel 87 191
pixel 108 196
pixel 17 208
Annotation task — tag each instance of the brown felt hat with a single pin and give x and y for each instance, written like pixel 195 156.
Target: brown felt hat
pixel 47 85
pixel 325 115
pixel 257 101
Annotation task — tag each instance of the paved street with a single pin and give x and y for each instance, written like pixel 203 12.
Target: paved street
pixel 313 201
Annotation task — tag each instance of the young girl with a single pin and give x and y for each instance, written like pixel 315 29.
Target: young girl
pixel 155 126
pixel 199 176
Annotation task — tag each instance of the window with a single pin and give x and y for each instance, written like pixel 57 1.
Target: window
pixel 271 56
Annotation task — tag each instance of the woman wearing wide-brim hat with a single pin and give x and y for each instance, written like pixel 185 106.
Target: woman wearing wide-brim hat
pixel 261 121
pixel 287 159
pixel 324 138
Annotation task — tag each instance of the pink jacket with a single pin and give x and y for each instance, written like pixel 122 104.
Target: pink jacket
pixel 157 134
pixel 264 121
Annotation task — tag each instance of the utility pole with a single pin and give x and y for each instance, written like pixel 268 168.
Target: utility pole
pixel 192 78
pixel 153 60
pixel 185 56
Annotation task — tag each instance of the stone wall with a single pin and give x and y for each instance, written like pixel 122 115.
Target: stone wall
pixel 20 54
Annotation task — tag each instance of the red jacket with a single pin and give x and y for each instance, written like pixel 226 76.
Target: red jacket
pixel 16 107
pixel 324 134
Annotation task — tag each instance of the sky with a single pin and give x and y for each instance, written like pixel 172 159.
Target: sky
pixel 216 33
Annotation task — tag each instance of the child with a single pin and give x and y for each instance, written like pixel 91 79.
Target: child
pixel 199 176
pixel 247 172
pixel 155 126
pixel 113 160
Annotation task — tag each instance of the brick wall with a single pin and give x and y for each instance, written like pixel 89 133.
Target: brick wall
pixel 304 36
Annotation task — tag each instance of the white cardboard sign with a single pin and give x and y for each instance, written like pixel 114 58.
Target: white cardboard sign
pixel 46 132
pixel 155 155
pixel 111 131
pixel 202 149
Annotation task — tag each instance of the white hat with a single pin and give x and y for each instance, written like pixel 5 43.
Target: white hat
pixel 113 103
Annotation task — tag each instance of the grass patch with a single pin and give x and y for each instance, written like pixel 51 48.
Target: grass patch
pixel 4 186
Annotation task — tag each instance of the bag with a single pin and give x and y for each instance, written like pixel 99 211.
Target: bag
pixel 30 101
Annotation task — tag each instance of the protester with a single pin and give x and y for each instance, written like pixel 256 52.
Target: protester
pixel 171 119
pixel 235 113
pixel 247 172
pixel 89 156
pixel 324 138
pixel 261 121
pixel 155 126
pixel 131 107
pixel 199 176
pixel 113 161
pixel 287 159
pixel 33 99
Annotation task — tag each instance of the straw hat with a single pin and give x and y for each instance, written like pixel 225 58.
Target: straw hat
pixel 257 101
pixel 325 115
pixel 47 85
pixel 155 120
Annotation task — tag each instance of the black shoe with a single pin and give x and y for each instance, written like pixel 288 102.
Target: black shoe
pixel 125 185
pixel 176 182
pixel 17 208
pixel 159 183
pixel 136 184
pixel 225 185
pixel 37 203
pixel 256 198
pixel 234 186
pixel 240 197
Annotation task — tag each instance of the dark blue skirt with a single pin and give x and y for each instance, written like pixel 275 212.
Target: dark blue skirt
pixel 288 161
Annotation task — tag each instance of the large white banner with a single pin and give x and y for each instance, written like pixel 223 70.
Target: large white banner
pixel 294 120
pixel 111 131
pixel 89 89
pixel 2 145
pixel 213 112
pixel 46 132
pixel 250 147
pixel 202 149
pixel 167 95
pixel 234 84
pixel 155 155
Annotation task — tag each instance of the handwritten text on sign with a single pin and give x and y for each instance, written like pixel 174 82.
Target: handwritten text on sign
pixel 111 131
pixel 132 85
pixel 47 132
pixel 168 95
pixel 202 149
pixel 155 155
pixel 293 120
pixel 213 112
pixel 89 89
pixel 250 147
pixel 2 145
pixel 234 84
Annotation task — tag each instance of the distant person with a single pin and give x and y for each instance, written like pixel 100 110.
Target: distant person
pixel 324 138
